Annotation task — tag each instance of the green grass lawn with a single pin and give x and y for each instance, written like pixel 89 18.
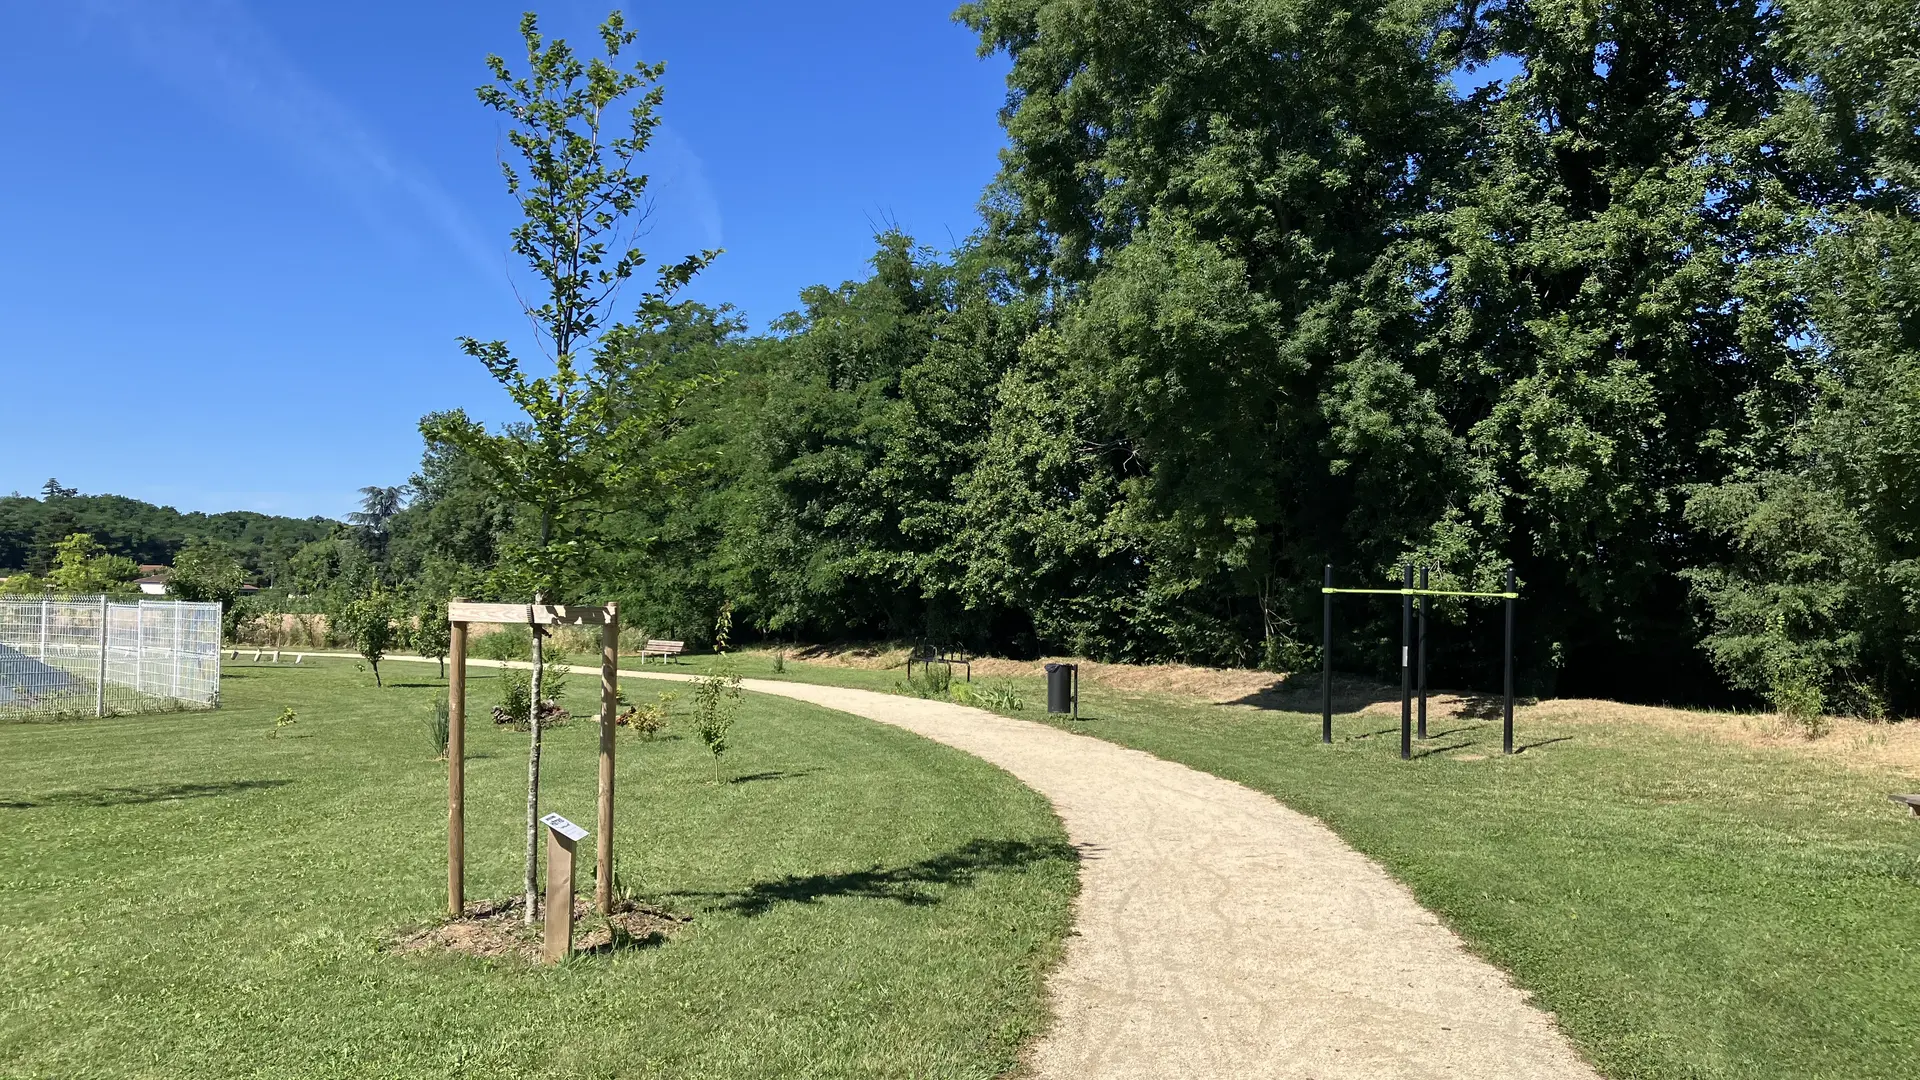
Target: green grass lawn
pixel 1688 907
pixel 183 896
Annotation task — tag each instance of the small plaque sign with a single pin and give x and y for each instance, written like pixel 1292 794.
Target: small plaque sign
pixel 564 827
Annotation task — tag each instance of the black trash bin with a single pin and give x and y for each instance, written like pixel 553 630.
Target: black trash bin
pixel 1063 689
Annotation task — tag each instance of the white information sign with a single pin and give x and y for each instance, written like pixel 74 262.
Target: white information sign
pixel 564 827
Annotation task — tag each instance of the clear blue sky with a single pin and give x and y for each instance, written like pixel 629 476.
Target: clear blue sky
pixel 241 236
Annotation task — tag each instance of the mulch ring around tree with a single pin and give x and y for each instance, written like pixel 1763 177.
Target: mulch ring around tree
pixel 492 929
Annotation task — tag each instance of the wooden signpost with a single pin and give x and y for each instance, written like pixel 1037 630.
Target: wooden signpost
pixel 460 613
pixel 562 835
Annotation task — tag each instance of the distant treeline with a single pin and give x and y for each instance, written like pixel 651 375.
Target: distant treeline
pixel 1261 288
pixel 263 543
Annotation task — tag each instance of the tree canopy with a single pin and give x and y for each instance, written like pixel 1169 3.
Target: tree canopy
pixel 1622 295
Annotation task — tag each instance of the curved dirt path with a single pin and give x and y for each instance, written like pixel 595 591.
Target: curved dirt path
pixel 1219 934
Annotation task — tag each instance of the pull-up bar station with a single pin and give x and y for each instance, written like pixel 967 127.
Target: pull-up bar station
pixel 1406 593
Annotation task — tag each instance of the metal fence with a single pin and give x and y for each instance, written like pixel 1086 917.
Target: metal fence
pixel 89 656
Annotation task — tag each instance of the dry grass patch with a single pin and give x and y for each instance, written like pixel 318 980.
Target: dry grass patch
pixel 1216 685
pixel 1891 747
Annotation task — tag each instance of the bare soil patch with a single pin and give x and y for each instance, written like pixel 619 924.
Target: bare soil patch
pixel 492 929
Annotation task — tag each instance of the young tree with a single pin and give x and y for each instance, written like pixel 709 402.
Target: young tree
pixel 367 621
pixel 717 696
pixel 579 193
pixel 433 634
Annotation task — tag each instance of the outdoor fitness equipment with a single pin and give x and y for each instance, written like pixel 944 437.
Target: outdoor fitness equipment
pixel 1407 592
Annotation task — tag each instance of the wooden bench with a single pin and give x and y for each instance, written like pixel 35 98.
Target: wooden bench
pixel 662 649
pixel 1912 802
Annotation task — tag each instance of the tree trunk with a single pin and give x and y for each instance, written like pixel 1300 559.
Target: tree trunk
pixel 533 780
pixel 376 675
pixel 533 750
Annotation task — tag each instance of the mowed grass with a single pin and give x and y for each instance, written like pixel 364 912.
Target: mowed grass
pixel 184 896
pixel 1690 908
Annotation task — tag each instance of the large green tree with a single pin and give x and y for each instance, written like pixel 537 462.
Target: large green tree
pixel 1816 593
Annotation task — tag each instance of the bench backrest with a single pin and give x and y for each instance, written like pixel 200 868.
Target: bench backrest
pixel 666 646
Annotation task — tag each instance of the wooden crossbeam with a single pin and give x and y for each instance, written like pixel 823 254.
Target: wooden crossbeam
pixel 461 611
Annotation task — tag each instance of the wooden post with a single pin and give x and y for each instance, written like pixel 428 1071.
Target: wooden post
pixel 457 772
pixel 562 835
pixel 609 709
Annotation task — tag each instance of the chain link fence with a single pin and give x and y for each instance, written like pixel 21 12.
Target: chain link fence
pixel 90 656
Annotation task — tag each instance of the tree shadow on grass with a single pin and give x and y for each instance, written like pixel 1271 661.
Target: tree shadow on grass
pixel 1447 748
pixel 911 884
pixel 135 796
pixel 1352 695
pixel 1542 742
pixel 771 774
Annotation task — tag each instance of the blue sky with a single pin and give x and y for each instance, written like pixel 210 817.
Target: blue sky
pixel 242 237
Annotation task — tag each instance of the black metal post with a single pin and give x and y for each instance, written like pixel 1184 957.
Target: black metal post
pixel 1506 739
pixel 1422 676
pixel 1326 658
pixel 1406 663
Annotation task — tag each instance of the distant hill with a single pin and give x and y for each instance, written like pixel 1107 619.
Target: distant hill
pixel 147 533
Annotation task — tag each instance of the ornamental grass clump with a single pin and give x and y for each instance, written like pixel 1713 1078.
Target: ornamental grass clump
pixel 438 725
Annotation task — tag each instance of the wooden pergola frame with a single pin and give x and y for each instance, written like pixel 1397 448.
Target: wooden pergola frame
pixel 460 613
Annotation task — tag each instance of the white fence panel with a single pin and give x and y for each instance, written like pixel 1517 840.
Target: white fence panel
pixel 86 655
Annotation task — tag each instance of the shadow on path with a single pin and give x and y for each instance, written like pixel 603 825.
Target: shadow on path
pixel 135 796
pixel 910 884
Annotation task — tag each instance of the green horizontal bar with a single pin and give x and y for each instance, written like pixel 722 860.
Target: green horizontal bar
pixel 1423 592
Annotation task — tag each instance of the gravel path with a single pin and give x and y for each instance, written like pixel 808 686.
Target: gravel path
pixel 1219 934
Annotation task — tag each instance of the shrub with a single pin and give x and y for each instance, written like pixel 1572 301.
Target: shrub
pixel 516 697
pixel 779 663
pixel 1003 698
pixel 649 720
pixel 1283 655
pixel 931 682
pixel 285 720
pixel 506 643
pixel 1796 693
